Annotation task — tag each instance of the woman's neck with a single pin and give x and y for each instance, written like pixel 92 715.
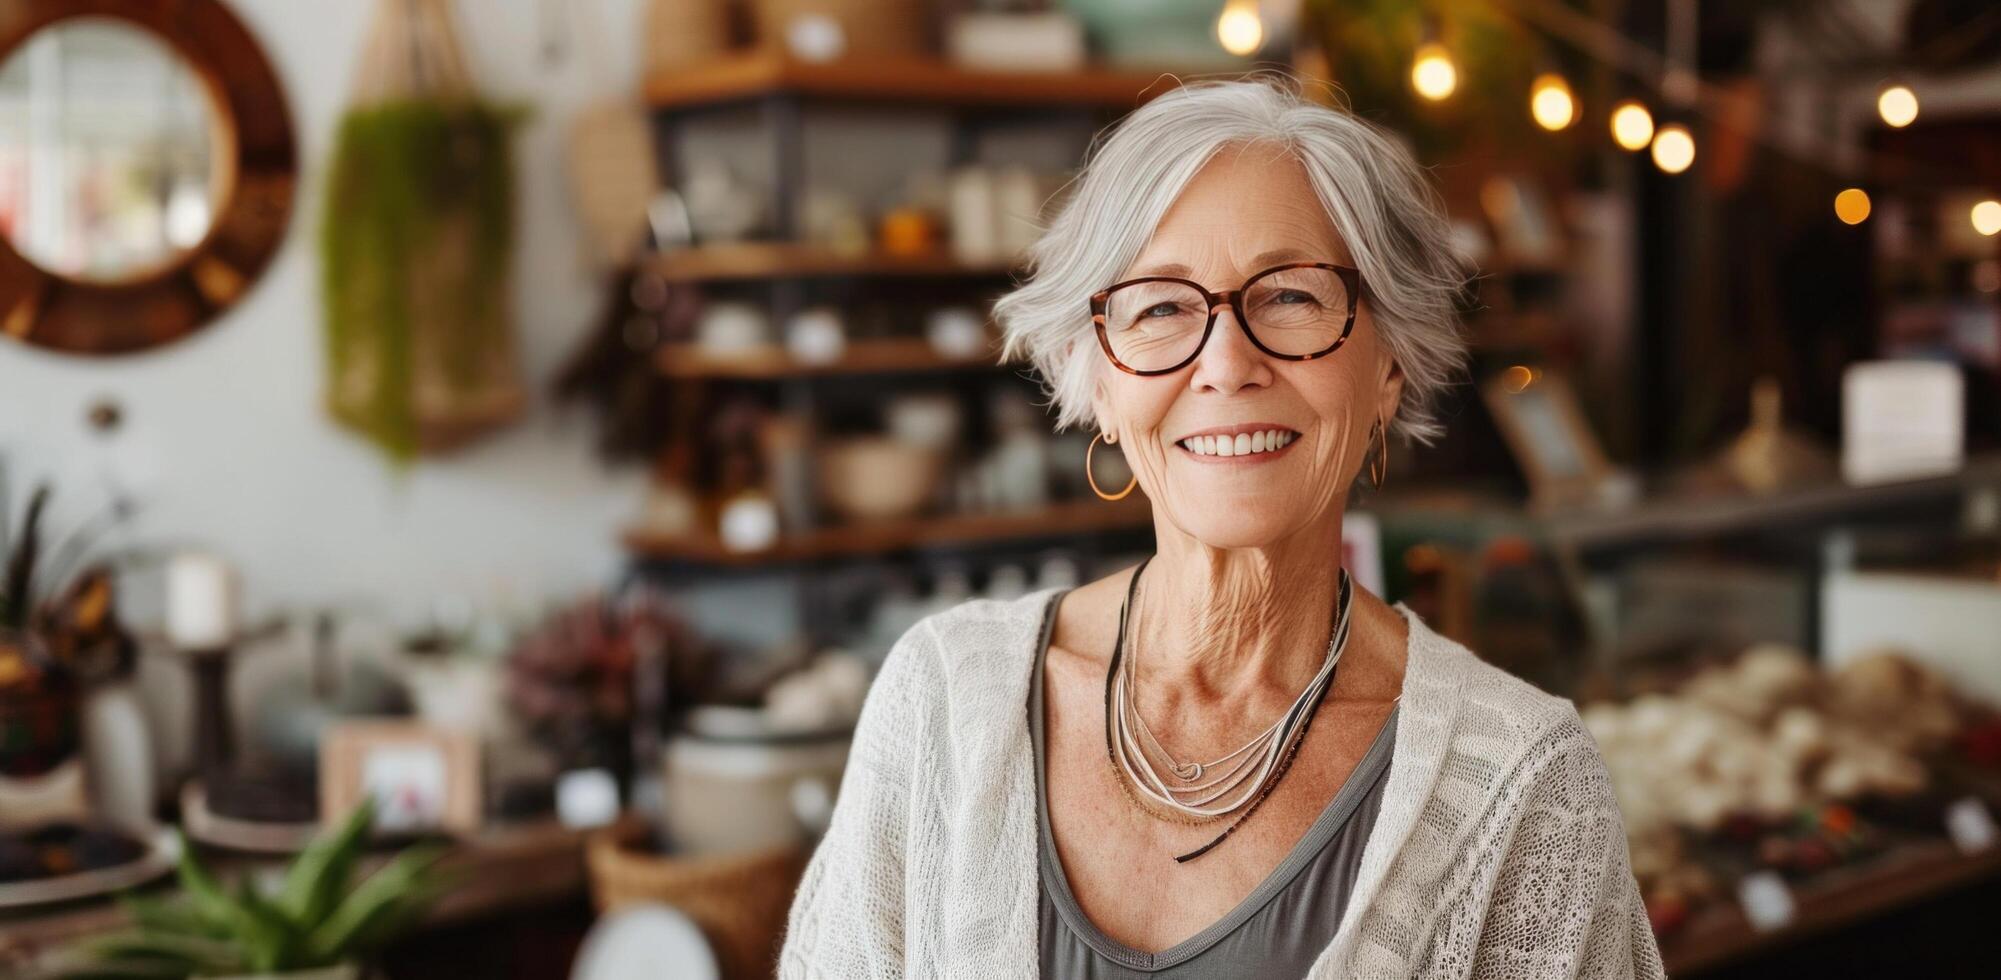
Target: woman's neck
pixel 1223 623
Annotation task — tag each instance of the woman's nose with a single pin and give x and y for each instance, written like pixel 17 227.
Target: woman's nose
pixel 1229 361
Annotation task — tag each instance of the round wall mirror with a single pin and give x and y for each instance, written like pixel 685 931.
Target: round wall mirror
pixel 110 151
pixel 147 170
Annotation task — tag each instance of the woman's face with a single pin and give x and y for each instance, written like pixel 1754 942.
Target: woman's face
pixel 1249 209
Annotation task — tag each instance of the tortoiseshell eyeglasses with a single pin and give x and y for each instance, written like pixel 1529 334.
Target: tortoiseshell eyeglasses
pixel 1295 312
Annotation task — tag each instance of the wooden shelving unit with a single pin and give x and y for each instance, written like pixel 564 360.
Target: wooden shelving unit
pixel 866 540
pixel 772 260
pixel 757 74
pixel 889 356
pixel 1684 518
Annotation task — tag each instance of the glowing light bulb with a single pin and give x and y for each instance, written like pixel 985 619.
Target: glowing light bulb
pixel 1239 28
pixel 1433 74
pixel 1898 105
pixel 1852 205
pixel 1632 125
pixel 1987 217
pixel 1551 103
pixel 1674 148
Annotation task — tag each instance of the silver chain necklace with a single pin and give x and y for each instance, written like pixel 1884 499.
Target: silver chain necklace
pixel 1237 779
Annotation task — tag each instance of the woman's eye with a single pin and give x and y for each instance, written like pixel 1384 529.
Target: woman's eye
pixel 1294 296
pixel 1162 309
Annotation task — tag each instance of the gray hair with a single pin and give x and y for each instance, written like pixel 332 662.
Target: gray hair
pixel 1379 200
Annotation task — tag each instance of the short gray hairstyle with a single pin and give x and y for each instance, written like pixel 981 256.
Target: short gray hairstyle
pixel 1380 201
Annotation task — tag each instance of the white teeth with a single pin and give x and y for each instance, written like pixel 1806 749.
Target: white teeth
pixel 1242 444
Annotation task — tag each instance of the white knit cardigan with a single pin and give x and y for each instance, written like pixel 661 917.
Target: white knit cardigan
pixel 1498 852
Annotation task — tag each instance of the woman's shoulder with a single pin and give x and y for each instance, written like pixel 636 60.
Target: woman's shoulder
pixel 1496 742
pixel 1488 705
pixel 960 656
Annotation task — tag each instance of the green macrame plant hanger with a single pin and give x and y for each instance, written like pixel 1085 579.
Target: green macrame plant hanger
pixel 416 244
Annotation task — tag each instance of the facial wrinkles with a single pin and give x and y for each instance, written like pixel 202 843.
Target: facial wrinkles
pixel 1249 621
pixel 1242 595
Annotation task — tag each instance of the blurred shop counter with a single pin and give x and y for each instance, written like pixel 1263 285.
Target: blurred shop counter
pixel 1723 934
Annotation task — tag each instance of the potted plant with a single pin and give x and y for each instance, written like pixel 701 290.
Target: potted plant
pixel 604 672
pixel 318 925
pixel 59 633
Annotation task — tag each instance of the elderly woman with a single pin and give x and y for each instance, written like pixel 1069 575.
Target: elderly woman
pixel 1231 760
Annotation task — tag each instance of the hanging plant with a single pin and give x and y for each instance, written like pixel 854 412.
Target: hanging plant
pixel 416 245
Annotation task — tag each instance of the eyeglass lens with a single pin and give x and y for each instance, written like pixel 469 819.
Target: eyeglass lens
pixel 1153 326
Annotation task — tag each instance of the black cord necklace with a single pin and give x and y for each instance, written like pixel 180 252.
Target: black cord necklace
pixel 1312 709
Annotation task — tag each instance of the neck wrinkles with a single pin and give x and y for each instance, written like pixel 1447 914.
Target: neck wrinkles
pixel 1236 623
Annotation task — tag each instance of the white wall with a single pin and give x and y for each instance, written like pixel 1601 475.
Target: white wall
pixel 225 442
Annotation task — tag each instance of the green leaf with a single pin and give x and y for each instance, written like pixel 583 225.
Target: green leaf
pixel 209 901
pixel 322 872
pixel 370 913
pixel 190 954
pixel 275 943
pixel 263 935
pixel 169 915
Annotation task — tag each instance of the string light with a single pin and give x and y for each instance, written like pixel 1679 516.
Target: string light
pixel 1852 205
pixel 1239 28
pixel 1898 105
pixel 1987 217
pixel 1433 75
pixel 1632 125
pixel 1674 148
pixel 1551 103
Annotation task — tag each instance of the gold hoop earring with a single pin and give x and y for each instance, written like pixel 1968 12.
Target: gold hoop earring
pixel 1380 467
pixel 1092 478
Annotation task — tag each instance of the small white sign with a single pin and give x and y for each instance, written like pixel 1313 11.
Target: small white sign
pixel 1901 420
pixel 1768 902
pixel 1362 550
pixel 1970 825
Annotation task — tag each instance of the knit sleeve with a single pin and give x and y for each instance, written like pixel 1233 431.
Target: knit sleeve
pixel 847 918
pixel 1564 902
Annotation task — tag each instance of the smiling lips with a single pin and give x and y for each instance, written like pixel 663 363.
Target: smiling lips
pixel 1253 442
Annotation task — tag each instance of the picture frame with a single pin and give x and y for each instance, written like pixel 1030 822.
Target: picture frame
pixel 1538 415
pixel 424 779
pixel 1527 232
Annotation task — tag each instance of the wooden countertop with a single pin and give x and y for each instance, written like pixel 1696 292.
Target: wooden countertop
pixel 1719 935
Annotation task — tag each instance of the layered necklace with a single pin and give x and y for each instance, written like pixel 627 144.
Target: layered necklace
pixel 1234 783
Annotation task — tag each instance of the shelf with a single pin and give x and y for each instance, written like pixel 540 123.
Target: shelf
pixel 868 540
pixel 777 260
pixel 757 74
pixel 900 356
pixel 1721 935
pixel 1694 517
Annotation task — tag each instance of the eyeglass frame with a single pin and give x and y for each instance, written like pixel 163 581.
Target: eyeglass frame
pixel 1100 300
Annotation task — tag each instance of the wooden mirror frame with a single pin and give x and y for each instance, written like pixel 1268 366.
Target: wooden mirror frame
pixel 164 303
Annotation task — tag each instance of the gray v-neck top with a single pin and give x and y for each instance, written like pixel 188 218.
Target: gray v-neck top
pixel 1278 930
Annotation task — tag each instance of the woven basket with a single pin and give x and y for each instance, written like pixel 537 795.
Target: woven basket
pixel 738 900
pixel 869 28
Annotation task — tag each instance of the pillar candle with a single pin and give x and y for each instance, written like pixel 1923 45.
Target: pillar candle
pixel 201 602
